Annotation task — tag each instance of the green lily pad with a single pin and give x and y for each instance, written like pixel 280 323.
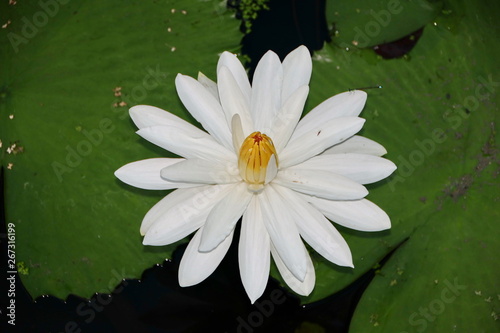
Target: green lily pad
pixel 74 69
pixel 436 115
pixel 445 276
pixel 365 23
pixel 77 226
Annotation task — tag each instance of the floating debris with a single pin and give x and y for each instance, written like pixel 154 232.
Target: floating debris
pixel 15 149
pixel 117 91
pixel 374 320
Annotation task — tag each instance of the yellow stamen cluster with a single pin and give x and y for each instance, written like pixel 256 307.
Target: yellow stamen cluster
pixel 255 154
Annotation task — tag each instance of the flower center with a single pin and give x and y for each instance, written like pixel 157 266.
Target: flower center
pixel 258 161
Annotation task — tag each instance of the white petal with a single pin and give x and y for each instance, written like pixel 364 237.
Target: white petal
pixel 316 230
pixel 347 104
pixel 320 183
pixel 266 91
pixel 180 213
pixel 287 117
pixel 233 101
pixel 196 266
pixel 271 170
pixel 297 68
pixel 210 85
pixel 204 108
pixel 254 251
pixel 230 61
pixel 165 204
pixel 283 232
pixel 147 116
pixel 361 214
pixel 188 144
pixel 361 168
pixel 238 136
pixel 145 174
pixel 223 217
pixel 198 171
pixel 357 144
pixel 303 288
pixel 319 138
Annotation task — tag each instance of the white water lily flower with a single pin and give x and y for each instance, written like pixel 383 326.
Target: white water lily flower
pixel 286 177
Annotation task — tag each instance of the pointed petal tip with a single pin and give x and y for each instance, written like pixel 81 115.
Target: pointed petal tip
pixel 136 112
pixel 151 238
pixel 227 54
pixel 299 272
pixel 185 282
pixel 306 291
pixel 124 175
pixel 147 238
pixel 302 51
pixel 364 192
pixel 302 48
pixel 137 108
pixel 384 223
pixel 133 109
pixel 255 297
pixel 141 106
pixel 361 95
pixel 181 284
pixel 386 226
pixel 347 262
pixel 394 166
pixel 269 53
pixel 143 230
pixel 207 245
pixel 255 294
pixel 180 77
pixel 117 173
